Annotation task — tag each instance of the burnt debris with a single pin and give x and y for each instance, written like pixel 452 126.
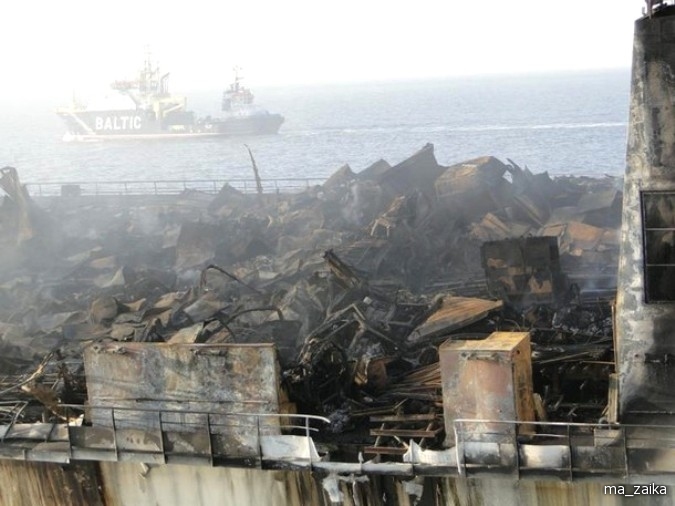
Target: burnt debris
pixel 357 283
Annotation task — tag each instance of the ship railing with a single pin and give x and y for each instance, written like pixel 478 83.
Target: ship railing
pixel 167 187
pixel 565 450
pixel 216 436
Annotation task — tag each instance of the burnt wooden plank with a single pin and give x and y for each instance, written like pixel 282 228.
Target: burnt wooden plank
pixel 385 450
pixel 403 418
pixel 405 432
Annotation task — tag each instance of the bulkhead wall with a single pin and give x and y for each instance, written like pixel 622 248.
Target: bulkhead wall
pixel 122 484
pixel 177 485
pixel 645 311
pixel 39 483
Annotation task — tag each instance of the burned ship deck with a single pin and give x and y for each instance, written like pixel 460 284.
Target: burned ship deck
pixel 355 282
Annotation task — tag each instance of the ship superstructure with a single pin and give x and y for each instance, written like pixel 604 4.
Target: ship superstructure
pixel 241 114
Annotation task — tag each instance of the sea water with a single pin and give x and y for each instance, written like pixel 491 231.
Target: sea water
pixel 565 123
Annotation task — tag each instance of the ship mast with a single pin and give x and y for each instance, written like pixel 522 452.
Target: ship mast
pixel 237 78
pixel 237 95
pixel 148 86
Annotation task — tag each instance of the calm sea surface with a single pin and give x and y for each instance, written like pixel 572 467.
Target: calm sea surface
pixel 573 123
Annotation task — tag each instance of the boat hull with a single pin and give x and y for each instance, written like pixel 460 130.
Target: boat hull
pixel 136 124
pixel 249 125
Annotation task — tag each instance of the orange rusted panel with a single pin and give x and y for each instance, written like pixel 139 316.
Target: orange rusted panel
pixel 489 379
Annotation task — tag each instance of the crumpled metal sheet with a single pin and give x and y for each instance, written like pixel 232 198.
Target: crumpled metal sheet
pixel 454 313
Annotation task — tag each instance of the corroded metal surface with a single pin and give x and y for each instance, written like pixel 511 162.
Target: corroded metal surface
pixel 212 378
pixel 487 379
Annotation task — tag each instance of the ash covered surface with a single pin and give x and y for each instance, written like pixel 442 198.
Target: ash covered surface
pixel 356 281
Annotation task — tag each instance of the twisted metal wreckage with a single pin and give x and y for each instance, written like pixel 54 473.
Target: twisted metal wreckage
pixel 356 283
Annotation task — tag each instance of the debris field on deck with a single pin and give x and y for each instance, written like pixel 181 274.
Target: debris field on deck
pixel 357 282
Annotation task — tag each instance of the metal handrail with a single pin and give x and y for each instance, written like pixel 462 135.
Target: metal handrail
pixel 258 416
pixel 623 438
pixel 84 407
pixel 169 186
pixel 601 425
pixel 207 424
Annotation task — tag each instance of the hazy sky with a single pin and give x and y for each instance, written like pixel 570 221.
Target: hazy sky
pixel 51 48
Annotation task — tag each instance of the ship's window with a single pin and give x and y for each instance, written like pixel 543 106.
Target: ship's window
pixel 658 215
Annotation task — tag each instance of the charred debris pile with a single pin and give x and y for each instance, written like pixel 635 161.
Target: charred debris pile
pixel 356 281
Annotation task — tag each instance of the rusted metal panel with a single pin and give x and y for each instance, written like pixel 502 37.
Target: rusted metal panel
pixel 470 176
pixel 524 270
pixel 582 237
pixel 490 379
pixel 474 187
pixel 178 378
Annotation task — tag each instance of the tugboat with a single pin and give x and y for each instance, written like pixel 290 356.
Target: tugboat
pixel 144 108
pixel 241 116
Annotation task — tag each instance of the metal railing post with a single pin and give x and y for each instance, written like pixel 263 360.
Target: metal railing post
pixel 459 454
pixel 208 434
pixel 569 448
pixel 260 452
pixel 517 450
pixel 112 417
pixel 161 435
pixel 309 442
pixel 70 441
pixel 625 451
